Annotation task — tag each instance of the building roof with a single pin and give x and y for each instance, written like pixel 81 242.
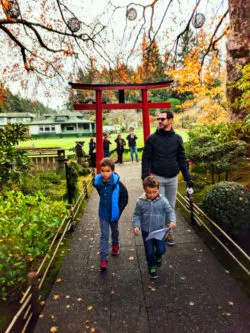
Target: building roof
pixel 17 115
pixel 52 120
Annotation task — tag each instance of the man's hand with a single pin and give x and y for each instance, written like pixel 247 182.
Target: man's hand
pixel 190 187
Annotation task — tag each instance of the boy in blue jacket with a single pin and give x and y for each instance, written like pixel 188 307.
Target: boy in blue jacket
pixel 149 217
pixel 113 199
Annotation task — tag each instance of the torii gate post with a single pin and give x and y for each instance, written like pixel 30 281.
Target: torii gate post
pixel 99 106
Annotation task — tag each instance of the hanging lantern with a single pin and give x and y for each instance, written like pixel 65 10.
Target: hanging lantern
pixel 198 20
pixel 12 9
pixel 74 24
pixel 131 14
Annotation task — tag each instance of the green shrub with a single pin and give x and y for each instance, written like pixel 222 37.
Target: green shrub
pixel 228 204
pixel 48 183
pixel 27 225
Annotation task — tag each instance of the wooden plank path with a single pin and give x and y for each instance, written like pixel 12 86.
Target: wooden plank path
pixel 193 292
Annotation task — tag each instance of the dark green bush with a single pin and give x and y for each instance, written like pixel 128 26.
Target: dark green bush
pixel 228 204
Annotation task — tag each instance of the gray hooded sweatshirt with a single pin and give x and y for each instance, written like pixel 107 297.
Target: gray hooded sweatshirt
pixel 149 215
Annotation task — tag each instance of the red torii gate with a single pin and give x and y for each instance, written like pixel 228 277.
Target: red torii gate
pixel 98 106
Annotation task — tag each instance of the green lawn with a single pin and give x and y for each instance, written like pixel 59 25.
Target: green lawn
pixel 68 143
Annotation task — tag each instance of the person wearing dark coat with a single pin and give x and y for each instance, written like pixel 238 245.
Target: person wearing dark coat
pixel 106 144
pixel 92 152
pixel 164 157
pixel 120 143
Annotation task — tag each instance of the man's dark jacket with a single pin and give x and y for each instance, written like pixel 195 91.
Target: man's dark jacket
pixel 164 155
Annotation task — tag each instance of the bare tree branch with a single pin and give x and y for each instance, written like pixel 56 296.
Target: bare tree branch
pixel 212 43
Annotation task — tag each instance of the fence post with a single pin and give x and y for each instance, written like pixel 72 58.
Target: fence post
pixel 69 193
pixel 35 303
pixel 191 209
pixel 85 189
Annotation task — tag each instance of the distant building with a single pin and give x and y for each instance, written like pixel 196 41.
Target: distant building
pixel 11 118
pixel 63 124
pixel 51 125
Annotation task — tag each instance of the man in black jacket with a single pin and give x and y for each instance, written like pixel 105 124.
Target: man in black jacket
pixel 164 157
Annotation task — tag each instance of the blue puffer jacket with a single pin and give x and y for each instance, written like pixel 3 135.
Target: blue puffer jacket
pixel 113 197
pixel 149 215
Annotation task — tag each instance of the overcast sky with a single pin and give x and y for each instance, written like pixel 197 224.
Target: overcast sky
pixel 119 36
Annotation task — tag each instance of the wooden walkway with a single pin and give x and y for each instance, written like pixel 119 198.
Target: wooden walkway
pixel 193 293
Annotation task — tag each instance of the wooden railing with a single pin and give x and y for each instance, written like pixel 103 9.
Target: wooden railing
pixel 30 302
pixel 197 216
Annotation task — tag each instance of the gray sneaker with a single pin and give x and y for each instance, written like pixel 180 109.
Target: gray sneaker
pixel 170 239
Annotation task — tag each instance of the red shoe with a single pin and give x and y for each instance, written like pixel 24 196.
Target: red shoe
pixel 104 265
pixel 115 250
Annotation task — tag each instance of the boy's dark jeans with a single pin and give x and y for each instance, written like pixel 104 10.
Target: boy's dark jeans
pixel 153 248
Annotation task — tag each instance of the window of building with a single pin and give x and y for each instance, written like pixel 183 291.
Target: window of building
pixel 40 128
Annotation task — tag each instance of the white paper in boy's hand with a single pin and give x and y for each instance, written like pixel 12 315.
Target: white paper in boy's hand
pixel 158 234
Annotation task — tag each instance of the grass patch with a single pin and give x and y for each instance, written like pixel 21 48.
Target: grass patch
pixel 68 143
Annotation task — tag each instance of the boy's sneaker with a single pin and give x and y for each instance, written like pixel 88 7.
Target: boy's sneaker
pixel 158 262
pixel 104 265
pixel 115 250
pixel 152 273
pixel 170 239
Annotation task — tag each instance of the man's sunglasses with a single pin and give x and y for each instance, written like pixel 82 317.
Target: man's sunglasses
pixel 161 119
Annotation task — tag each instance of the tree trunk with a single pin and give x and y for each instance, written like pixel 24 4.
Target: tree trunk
pixel 237 52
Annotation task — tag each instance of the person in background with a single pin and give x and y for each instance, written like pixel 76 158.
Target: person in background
pixel 120 143
pixel 164 157
pixel 150 213
pixel 113 199
pixel 92 152
pixel 132 144
pixel 106 144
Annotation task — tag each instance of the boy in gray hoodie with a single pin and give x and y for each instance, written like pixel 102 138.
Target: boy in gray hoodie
pixel 149 217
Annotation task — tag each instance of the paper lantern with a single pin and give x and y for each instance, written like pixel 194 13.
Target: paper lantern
pixel 198 20
pixel 12 9
pixel 74 24
pixel 131 14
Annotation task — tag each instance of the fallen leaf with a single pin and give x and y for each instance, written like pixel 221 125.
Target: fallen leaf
pixel 106 308
pixel 92 267
pixel 67 296
pixel 112 292
pixel 79 299
pixel 59 280
pixel 92 330
pixel 90 307
pixel 149 286
pixel 41 315
pixel 198 260
pixel 42 303
pixel 153 289
pixel 53 329
pixel 189 230
pixel 113 274
pixel 230 303
pixel 227 271
pixel 191 303
pixel 56 296
pixel 131 258
pixel 67 306
pixel 226 314
pixel 52 316
pixel 182 278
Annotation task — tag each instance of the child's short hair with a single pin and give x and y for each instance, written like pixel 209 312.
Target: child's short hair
pixel 107 162
pixel 151 181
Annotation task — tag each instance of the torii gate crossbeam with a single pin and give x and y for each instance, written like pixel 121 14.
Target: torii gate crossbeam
pixel 99 106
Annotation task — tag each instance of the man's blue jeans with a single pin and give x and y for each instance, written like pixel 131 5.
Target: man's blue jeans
pixel 104 241
pixel 133 150
pixel 154 248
